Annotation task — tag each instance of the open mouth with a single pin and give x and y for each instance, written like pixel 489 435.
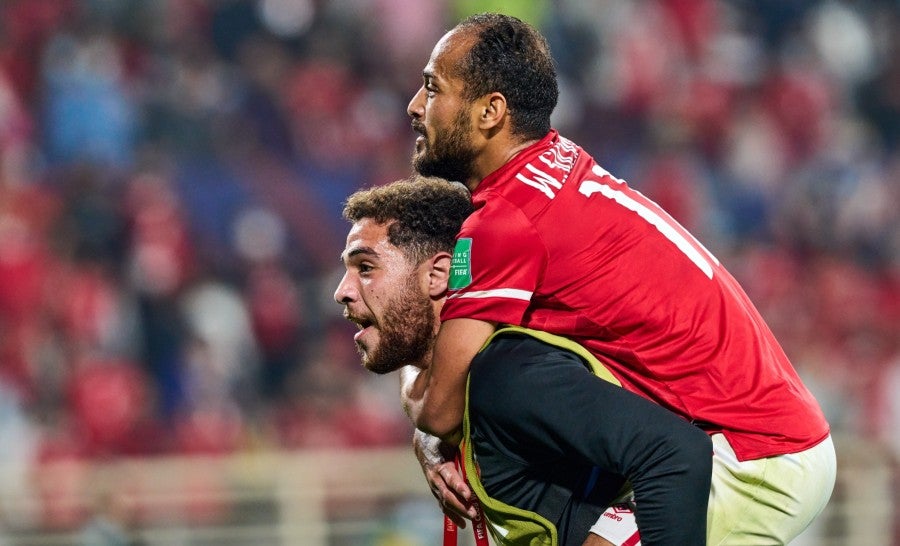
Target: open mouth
pixel 420 129
pixel 362 323
pixel 421 141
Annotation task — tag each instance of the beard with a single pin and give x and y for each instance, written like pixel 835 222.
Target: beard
pixel 406 332
pixel 451 156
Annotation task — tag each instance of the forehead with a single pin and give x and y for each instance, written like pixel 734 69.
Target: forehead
pixel 447 54
pixel 369 238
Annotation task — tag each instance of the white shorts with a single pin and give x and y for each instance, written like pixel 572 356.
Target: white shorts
pixel 760 502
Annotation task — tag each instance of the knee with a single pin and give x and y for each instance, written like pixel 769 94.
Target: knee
pixel 699 447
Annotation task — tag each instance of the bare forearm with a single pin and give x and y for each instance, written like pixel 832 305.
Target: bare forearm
pixel 443 384
pixel 412 391
pixel 413 387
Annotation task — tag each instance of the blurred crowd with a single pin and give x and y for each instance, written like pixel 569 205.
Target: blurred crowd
pixel 172 175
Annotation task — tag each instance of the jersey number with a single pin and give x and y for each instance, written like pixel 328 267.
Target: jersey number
pixel 636 202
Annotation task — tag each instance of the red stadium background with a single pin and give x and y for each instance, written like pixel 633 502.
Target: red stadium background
pixel 172 368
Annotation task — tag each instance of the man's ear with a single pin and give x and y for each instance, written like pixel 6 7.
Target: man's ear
pixel 439 274
pixel 492 111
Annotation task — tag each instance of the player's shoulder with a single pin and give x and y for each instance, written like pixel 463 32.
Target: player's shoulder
pixel 498 218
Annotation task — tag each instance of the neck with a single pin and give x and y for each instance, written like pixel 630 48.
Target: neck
pixel 495 159
pixel 425 362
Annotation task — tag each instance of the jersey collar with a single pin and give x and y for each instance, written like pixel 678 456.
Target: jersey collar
pixel 516 163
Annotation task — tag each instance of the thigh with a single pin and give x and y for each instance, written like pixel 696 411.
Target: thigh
pixel 767 501
pixel 541 423
pixel 532 470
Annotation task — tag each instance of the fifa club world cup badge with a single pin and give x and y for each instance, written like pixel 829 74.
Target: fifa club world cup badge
pixel 461 267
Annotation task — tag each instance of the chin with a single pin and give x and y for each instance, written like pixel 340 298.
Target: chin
pixel 418 160
pixel 364 352
pixel 368 363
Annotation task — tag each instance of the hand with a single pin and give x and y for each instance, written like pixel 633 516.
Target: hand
pixel 446 483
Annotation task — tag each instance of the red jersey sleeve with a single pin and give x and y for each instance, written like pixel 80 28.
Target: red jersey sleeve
pixel 498 260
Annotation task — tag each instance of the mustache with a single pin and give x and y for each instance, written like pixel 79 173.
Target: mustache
pixel 353 318
pixel 418 127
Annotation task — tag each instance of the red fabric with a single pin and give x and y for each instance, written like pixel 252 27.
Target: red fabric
pixel 558 244
pixel 633 539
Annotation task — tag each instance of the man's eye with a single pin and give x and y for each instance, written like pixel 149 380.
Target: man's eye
pixel 365 268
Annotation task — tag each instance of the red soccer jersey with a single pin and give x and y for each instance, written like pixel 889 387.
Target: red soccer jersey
pixel 558 244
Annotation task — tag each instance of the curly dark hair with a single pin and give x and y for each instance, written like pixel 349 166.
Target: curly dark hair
pixel 511 57
pixel 425 214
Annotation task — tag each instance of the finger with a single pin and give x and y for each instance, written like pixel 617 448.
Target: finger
pixel 462 494
pixel 455 481
pixel 456 518
pixel 451 501
pixel 460 487
pixel 459 506
pixel 460 518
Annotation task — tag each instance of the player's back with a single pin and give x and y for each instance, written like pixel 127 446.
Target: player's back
pixel 619 275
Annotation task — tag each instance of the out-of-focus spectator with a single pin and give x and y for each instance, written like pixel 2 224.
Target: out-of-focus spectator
pixel 219 369
pixel 106 400
pixel 88 115
pixel 27 264
pixel 889 406
pixel 18 450
pixel 276 309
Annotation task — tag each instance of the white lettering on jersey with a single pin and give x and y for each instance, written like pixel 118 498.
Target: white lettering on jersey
pixel 559 160
pixel 541 181
pixel 562 156
pixel 661 221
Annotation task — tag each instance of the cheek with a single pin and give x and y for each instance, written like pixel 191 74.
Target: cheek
pixel 374 296
pixel 437 114
pixel 366 294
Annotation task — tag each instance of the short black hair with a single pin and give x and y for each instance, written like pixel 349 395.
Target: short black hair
pixel 511 57
pixel 424 214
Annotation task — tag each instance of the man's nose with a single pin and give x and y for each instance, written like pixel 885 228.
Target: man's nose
pixel 344 293
pixel 415 109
